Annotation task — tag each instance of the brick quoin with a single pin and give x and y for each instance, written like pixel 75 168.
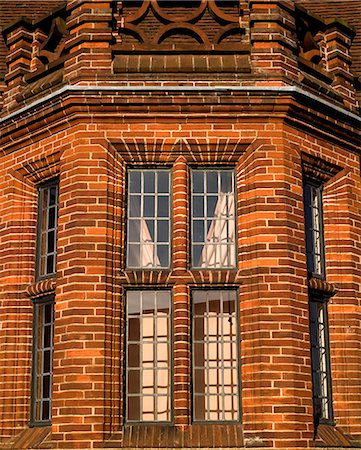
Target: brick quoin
pixel 92 89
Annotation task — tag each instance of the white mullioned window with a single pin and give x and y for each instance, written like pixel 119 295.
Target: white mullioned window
pixel 148 356
pixel 47 229
pixel 215 348
pixel 213 219
pixel 149 222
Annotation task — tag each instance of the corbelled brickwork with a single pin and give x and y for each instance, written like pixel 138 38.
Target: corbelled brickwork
pixel 82 104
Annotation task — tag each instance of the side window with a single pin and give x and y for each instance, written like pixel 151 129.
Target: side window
pixel 148 356
pixel 320 356
pixel 215 347
pixel 314 229
pixel 43 331
pixel 148 244
pixel 213 219
pixel 319 333
pixel 47 229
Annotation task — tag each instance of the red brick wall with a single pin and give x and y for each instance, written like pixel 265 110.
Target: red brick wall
pixel 275 361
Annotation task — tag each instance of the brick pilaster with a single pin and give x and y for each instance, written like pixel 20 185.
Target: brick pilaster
pixel 89 25
pixel 338 39
pixel 181 375
pixel 272 26
pixel 180 211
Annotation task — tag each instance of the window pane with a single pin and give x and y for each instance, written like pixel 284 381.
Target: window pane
pixel 215 355
pixel 43 361
pixel 149 200
pixel 46 247
pixel 135 181
pixel 213 219
pixel 148 360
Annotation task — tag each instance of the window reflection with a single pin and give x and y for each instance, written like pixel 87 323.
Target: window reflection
pixel 148 219
pixel 213 219
pixel 215 356
pixel 148 356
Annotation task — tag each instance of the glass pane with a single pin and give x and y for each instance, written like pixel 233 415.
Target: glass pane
pixel 211 205
pixel 163 182
pixel 197 181
pixel 163 255
pixel 149 206
pixel 134 207
pixel 133 255
pixel 52 216
pixel 134 327
pixel 198 207
pixel 135 182
pixel 134 230
pixel 53 196
pixel 226 181
pixel 198 231
pixel 46 410
pixel 48 312
pixel 51 241
pixel 163 206
pixel 212 181
pixel 149 181
pixel 148 230
pixel 47 356
pixel 133 409
pixel 163 231
pixel 50 264
pixel 46 386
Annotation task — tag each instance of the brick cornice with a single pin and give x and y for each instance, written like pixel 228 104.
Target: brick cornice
pixel 159 102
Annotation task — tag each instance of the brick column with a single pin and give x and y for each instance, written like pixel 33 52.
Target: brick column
pixel 181 375
pixel 89 25
pixel 180 211
pixel 272 27
pixel 276 374
pixel 338 39
pixel 80 382
pixel 18 38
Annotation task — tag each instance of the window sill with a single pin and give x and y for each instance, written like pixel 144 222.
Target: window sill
pixel 169 436
pixel 42 287
pixel 139 277
pixel 331 436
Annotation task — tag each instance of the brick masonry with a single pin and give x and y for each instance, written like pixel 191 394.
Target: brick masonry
pixel 108 121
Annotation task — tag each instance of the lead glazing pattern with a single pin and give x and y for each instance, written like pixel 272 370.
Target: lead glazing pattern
pixel 148 219
pixel 213 219
pixel 148 364
pixel 44 319
pixel 215 356
pixel 48 196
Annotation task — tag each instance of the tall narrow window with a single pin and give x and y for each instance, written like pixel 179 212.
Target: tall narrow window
pixel 320 353
pixel 42 361
pixel 148 356
pixel 47 229
pixel 215 356
pixel 314 229
pixel 213 219
pixel 148 219
pixel 322 393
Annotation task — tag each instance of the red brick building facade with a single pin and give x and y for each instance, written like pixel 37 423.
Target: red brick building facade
pixel 180 228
